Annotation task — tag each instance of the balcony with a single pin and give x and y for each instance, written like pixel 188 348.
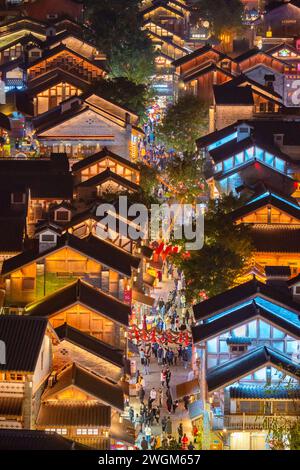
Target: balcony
pixel 12 389
pixel 244 422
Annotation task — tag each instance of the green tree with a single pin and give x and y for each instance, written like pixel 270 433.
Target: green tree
pixel 223 15
pixel 185 174
pixel 283 431
pixel 126 93
pixel 226 251
pixel 183 123
pixel 116 29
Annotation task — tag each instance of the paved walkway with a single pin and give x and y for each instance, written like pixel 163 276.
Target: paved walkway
pixel 179 375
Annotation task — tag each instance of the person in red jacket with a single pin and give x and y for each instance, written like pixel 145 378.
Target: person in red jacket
pixel 184 442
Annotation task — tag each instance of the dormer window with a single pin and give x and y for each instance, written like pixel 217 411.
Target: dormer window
pixel 48 238
pixel 62 216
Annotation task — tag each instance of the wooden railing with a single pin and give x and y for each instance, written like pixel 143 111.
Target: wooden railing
pixel 245 422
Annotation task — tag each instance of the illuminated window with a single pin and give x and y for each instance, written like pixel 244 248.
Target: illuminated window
pixel 264 329
pixel 279 164
pixel 269 159
pixel 228 164
pixel 249 153
pixel 62 216
pixel 218 167
pixel 259 153
pixel 212 346
pixel 239 158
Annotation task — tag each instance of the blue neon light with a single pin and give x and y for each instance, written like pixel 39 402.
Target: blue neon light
pixel 223 141
pixel 280 312
pixel 268 193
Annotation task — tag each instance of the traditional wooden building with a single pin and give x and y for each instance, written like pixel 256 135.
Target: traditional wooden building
pixel 274 221
pixel 59 74
pixel 279 24
pixel 44 10
pixel 275 164
pixel 250 393
pixel 244 98
pixel 36 273
pixel 203 68
pixel 24 439
pixel 88 351
pixel 247 347
pixel 87 309
pixel 84 407
pixel 26 362
pixel 34 185
pixel 167 24
pixel 81 126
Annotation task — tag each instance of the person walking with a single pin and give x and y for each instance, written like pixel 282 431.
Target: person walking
pixel 148 433
pixel 169 426
pixel 131 414
pixel 153 394
pixel 184 442
pixel 160 397
pixel 163 377
pixel 180 432
pixel 164 424
pixel 186 401
pixel 146 365
pixel 169 403
pixel 144 444
pixel 168 377
pixel 175 406
pixel 142 395
pixel 191 446
pixel 185 357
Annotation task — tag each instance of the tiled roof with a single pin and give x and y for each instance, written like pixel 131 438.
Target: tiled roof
pixel 270 239
pixel 257 392
pixel 197 53
pixel 12 236
pixel 24 439
pixel 229 372
pixel 91 344
pixel 233 96
pixel 46 178
pixel 97 157
pixel 236 295
pixel 284 271
pixel 83 293
pixel 287 204
pixel 233 147
pixel 263 129
pixel 108 175
pixel 241 316
pixel 102 388
pixel 93 247
pixel 74 414
pixel 11 406
pixel 23 337
pixel 238 340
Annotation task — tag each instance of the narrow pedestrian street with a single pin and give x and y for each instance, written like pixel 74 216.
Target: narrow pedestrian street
pixel 152 380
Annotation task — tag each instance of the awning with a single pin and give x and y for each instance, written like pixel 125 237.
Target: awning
pixel 124 431
pixel 196 409
pixel 142 298
pixel 148 279
pixel 187 388
pixel 11 406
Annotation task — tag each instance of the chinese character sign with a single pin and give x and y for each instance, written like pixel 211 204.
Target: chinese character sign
pixel 292 90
